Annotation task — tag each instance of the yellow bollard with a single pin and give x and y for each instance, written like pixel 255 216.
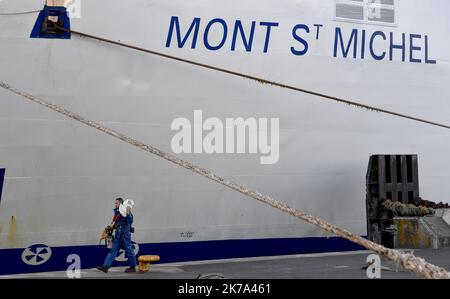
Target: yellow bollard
pixel 144 262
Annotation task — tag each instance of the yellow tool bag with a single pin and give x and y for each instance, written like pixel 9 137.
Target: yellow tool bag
pixel 107 235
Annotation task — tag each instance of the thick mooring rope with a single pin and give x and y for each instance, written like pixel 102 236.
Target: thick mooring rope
pixel 406 260
pixel 402 209
pixel 257 79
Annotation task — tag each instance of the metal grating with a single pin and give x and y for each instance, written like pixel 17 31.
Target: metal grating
pixel 381 15
pixel 366 11
pixel 349 11
pixel 384 2
pixel 393 177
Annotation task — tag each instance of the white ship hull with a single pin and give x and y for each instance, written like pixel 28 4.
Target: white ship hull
pixel 62 177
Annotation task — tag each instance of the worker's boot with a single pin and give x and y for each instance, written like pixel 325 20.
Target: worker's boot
pixel 130 270
pixel 102 268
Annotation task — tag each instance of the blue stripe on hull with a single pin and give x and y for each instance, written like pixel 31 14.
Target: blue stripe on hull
pixel 2 178
pixel 92 255
pixel 63 19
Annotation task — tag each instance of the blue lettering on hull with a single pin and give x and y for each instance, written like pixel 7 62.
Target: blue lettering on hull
pixel 402 47
pixel 240 34
pixel 354 43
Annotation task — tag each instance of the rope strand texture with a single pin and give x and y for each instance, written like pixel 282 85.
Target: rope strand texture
pixel 406 260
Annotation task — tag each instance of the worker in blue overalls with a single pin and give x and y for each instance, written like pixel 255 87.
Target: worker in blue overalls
pixel 122 239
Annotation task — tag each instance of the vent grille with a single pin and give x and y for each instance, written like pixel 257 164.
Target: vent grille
pixel 381 15
pixel 366 11
pixel 348 11
pixel 383 2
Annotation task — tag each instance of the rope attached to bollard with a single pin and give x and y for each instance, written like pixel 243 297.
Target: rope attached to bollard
pixel 406 260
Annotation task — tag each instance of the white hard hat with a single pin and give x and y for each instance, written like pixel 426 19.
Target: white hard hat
pixel 123 207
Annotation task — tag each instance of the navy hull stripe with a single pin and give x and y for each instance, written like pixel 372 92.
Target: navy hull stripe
pixel 93 255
